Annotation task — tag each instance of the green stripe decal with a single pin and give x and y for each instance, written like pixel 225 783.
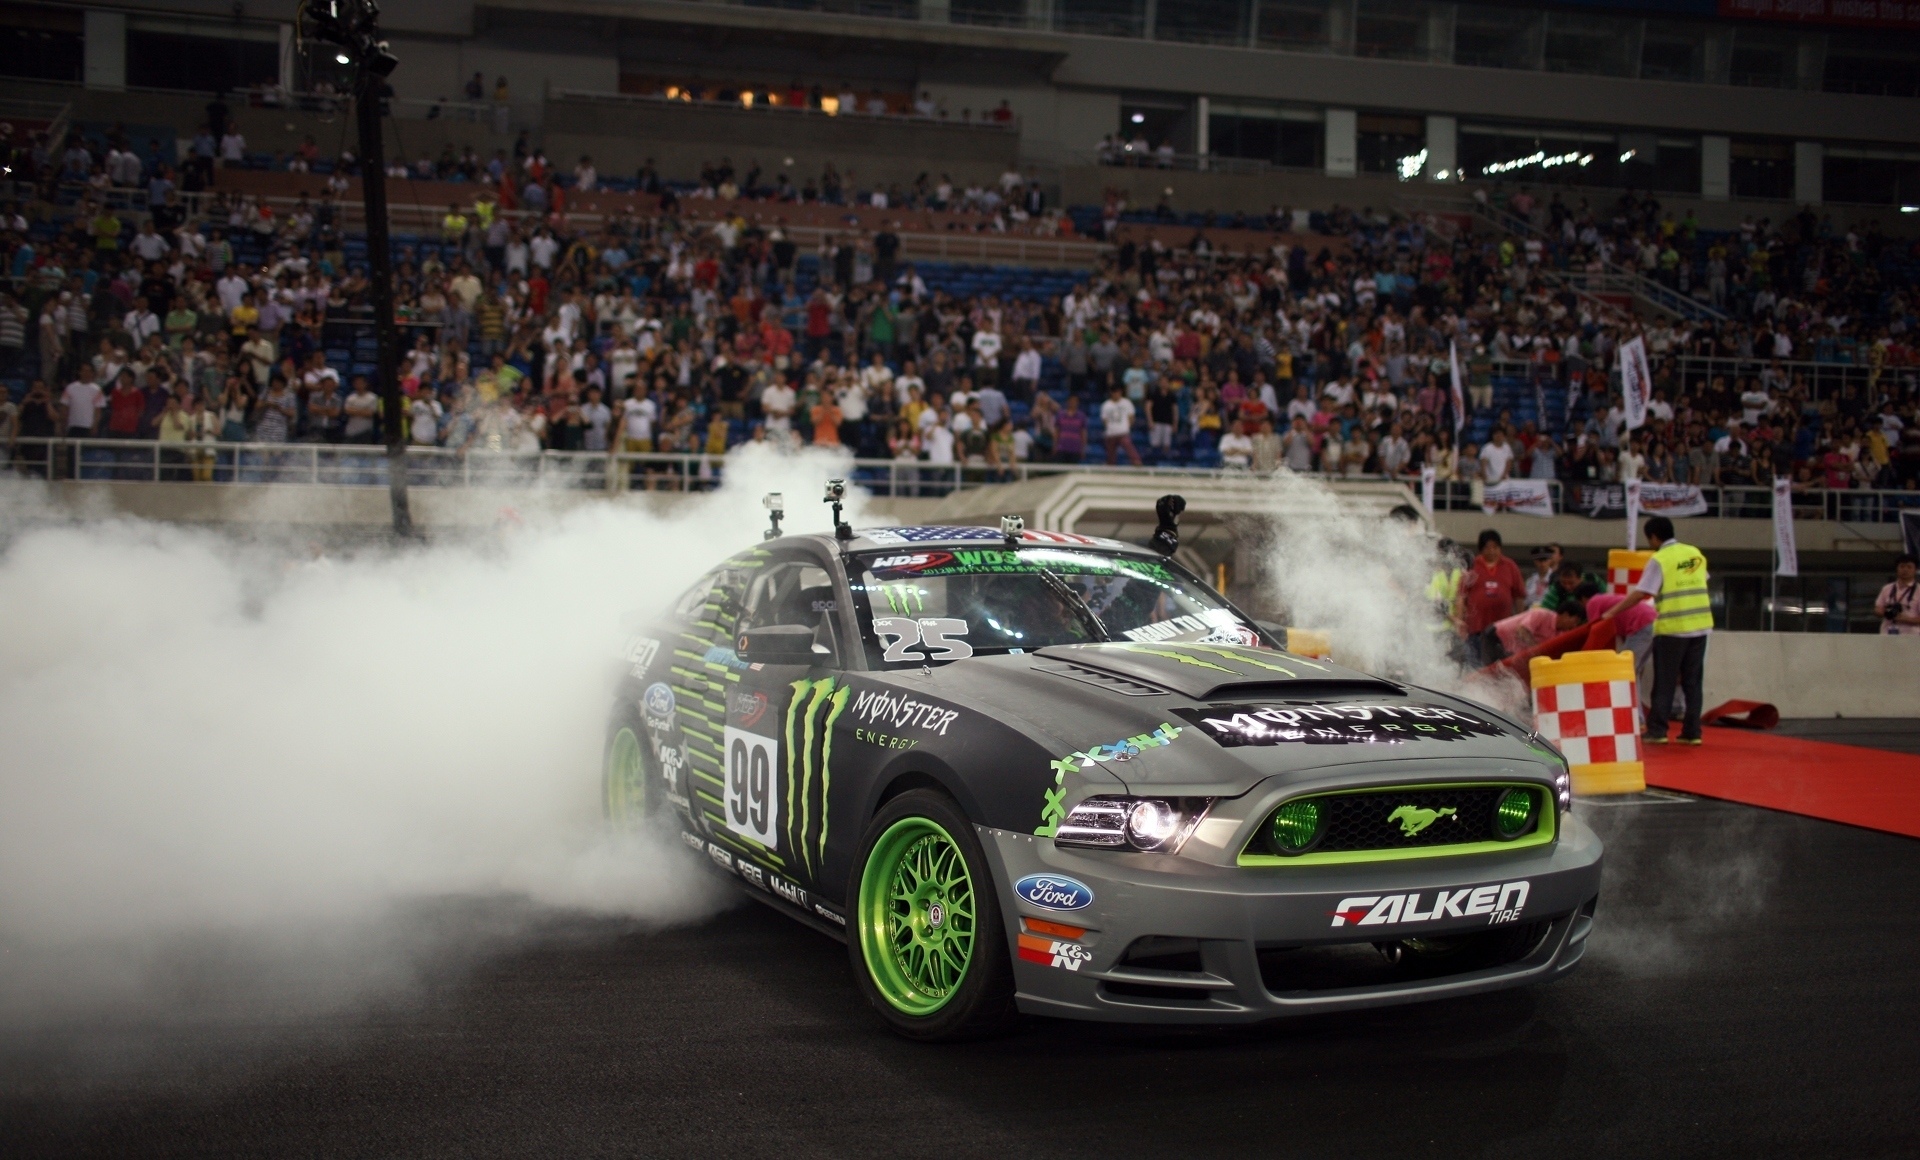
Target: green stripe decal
pixel 821 688
pixel 793 710
pixel 826 764
pixel 1182 658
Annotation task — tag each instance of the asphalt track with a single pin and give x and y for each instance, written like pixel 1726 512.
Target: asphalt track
pixel 1752 991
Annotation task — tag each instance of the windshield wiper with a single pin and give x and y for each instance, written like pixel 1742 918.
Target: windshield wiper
pixel 1080 607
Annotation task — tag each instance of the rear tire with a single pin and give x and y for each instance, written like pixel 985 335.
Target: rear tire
pixel 927 940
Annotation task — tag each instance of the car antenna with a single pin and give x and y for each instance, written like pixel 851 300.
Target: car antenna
pixel 836 493
pixel 1166 537
pixel 1011 528
pixel 776 506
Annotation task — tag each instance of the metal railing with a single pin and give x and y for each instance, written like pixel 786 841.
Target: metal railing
pixel 365 465
pixel 1822 379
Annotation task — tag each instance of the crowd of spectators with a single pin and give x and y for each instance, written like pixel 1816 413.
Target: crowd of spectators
pixel 532 329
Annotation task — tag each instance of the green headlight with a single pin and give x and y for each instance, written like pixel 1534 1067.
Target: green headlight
pixel 1296 825
pixel 1513 813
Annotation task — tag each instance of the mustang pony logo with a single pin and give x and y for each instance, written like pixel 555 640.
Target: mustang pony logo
pixel 1413 819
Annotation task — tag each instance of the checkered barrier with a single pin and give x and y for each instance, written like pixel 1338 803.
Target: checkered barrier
pixel 1586 704
pixel 1624 569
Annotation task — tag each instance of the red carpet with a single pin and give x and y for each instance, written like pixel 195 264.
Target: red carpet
pixel 1840 783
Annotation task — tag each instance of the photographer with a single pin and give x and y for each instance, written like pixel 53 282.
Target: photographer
pixel 1898 604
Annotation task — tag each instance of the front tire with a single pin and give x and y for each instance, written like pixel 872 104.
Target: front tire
pixel 627 789
pixel 927 942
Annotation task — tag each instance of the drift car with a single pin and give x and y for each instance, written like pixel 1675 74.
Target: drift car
pixel 1018 770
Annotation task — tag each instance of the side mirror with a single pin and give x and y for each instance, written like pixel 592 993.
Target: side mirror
pixel 777 644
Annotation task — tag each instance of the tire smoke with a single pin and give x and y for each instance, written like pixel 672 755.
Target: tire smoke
pixel 231 782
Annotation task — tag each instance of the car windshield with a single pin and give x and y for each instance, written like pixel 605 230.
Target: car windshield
pixel 927 605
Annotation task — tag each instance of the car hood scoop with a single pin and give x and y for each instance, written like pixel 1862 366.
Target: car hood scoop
pixel 1203 671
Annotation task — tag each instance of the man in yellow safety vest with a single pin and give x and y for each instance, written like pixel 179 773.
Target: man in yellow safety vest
pixel 1676 579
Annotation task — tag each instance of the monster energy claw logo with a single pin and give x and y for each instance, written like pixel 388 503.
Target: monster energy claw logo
pixel 904 598
pixel 1413 819
pixel 816 705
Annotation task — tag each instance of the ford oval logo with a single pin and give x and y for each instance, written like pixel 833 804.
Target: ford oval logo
pixel 1054 892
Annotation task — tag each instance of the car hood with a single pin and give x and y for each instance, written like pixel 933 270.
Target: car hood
pixel 1216 720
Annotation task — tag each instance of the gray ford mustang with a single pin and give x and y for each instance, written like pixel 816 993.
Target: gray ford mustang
pixel 1023 771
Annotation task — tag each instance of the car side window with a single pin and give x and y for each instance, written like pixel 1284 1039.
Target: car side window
pixel 797 592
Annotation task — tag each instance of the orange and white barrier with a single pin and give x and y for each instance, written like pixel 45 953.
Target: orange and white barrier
pixel 1624 569
pixel 1310 642
pixel 1587 706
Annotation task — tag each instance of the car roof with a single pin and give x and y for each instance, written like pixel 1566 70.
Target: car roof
pixel 976 535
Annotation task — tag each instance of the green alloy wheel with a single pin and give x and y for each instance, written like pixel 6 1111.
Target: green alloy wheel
pixel 917 914
pixel 927 942
pixel 626 779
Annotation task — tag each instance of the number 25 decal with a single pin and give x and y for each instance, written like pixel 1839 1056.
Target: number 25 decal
pixel 753 801
pixel 934 632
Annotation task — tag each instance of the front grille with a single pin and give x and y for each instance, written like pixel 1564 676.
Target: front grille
pixel 1411 818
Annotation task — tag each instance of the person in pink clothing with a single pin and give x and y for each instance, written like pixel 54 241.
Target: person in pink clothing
pixel 1634 631
pixel 1516 634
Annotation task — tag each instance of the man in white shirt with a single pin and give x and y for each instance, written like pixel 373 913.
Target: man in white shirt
pixel 141 323
pixel 637 417
pixel 598 417
pixel 424 415
pixel 876 377
pixel 83 399
pixel 776 407
pixel 851 397
pixel 905 382
pixel 542 250
pixel 233 149
pixel 147 245
pixel 1632 463
pixel 1026 370
pixel 1302 405
pixel 1496 458
pixel 936 438
pixel 230 290
pixel 1116 424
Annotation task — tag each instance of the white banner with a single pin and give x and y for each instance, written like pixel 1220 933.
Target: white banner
pixel 1459 392
pixel 1674 500
pixel 1786 553
pixel 1636 381
pixel 1427 477
pixel 1633 515
pixel 1519 497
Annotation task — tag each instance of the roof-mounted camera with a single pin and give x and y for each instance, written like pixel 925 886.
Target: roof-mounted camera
pixel 776 505
pixel 836 495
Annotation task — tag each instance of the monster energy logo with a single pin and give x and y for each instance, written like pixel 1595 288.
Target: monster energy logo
pixel 904 598
pixel 816 705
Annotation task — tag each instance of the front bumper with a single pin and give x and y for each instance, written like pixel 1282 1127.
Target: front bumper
pixel 1238 917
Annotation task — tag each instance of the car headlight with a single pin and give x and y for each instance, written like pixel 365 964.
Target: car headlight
pixel 1157 825
pixel 1562 776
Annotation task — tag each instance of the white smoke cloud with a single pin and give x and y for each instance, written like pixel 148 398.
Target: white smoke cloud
pixel 1362 578
pixel 204 746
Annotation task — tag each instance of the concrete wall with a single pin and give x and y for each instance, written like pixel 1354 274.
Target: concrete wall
pixel 1814 537
pixel 680 137
pixel 1816 675
pixel 435 69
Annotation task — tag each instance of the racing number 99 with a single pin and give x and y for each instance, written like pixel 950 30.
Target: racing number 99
pixel 751 808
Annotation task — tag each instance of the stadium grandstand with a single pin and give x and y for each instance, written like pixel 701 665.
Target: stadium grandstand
pixel 975 239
